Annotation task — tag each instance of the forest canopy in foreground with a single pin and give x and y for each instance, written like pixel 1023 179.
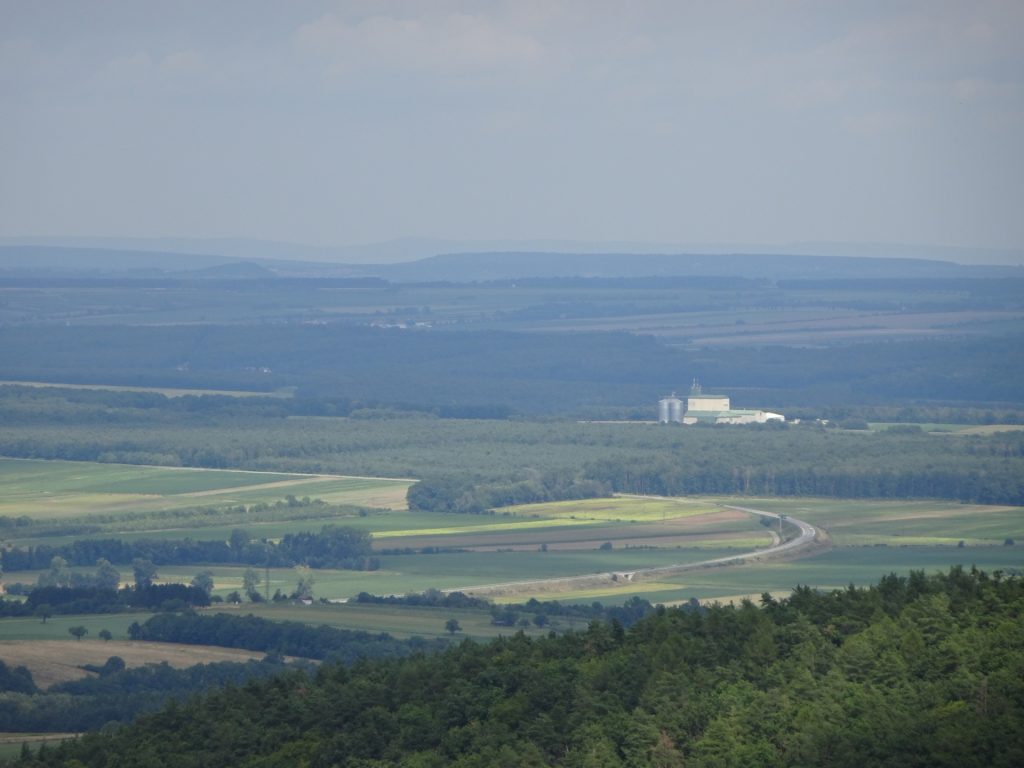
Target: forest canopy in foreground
pixel 914 671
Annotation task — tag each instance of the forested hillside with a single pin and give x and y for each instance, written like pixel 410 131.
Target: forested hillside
pixel 917 670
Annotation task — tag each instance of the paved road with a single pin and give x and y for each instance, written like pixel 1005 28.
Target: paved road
pixel 805 539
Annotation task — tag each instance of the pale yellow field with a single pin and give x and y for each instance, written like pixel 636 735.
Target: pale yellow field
pixel 67 505
pixel 623 508
pixel 989 429
pixel 626 588
pixel 55 661
pixel 512 525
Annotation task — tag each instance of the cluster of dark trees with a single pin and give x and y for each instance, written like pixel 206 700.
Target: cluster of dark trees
pixel 917 670
pixel 287 638
pixel 117 694
pixel 16 679
pixel 58 601
pixel 463 494
pixel 333 547
pixel 433 598
pixel 627 614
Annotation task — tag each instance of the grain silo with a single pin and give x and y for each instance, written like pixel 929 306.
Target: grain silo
pixel 670 409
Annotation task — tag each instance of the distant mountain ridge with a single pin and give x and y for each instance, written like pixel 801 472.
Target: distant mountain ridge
pixel 510 266
pixel 408 249
pixel 39 260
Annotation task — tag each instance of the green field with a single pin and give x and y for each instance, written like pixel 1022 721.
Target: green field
pixel 620 508
pixel 843 566
pixel 858 523
pixel 56 627
pixel 402 574
pixel 52 490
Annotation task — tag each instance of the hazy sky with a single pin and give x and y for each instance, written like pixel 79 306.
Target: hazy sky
pixel 677 121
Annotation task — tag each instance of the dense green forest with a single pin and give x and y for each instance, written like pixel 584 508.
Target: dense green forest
pixel 498 372
pixel 116 694
pixel 919 670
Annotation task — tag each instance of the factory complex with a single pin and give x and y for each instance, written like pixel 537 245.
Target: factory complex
pixel 700 408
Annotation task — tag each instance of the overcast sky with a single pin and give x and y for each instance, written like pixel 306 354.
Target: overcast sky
pixel 678 121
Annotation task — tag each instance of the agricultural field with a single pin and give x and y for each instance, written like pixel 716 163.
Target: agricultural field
pixel 904 523
pixel 834 569
pixel 64 490
pixel 549 542
pixel 55 660
pixel 639 509
pixel 949 429
pixel 165 391
pixel 787 326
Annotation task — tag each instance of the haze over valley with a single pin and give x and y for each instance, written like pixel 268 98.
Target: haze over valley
pixel 511 384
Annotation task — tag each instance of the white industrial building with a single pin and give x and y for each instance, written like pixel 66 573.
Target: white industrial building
pixel 709 409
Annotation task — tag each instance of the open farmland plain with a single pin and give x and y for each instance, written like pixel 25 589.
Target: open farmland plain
pixel 550 542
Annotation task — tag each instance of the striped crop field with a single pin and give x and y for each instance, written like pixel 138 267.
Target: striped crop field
pixel 618 508
pixel 44 490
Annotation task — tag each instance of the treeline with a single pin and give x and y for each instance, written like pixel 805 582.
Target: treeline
pixel 917 670
pixel 498 372
pixel 455 494
pixel 117 695
pixel 627 614
pixel 333 547
pixel 767 460
pixel 28 405
pixel 998 483
pixel 49 601
pixel 288 638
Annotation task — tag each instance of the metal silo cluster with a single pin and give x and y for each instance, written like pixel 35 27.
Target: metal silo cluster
pixel 670 410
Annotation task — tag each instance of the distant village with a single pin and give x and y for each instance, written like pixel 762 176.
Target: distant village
pixel 702 408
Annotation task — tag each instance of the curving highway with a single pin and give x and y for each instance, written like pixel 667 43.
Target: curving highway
pixel 806 538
